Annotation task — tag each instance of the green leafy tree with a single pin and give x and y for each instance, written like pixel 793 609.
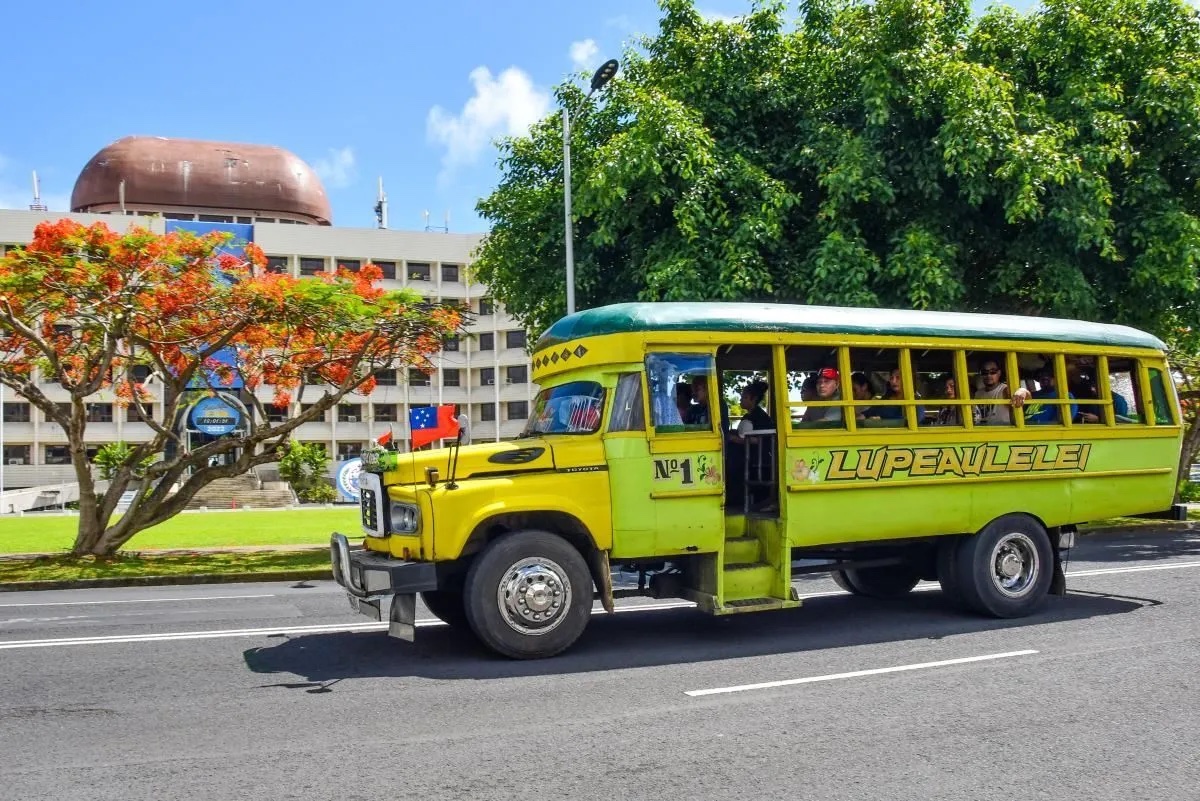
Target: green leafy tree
pixel 898 153
pixel 304 466
pixel 115 456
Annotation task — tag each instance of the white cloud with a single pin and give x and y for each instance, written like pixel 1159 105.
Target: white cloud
pixel 584 53
pixel 338 169
pixel 717 16
pixel 16 192
pixel 503 105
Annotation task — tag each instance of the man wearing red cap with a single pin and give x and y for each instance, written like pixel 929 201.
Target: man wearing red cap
pixel 828 389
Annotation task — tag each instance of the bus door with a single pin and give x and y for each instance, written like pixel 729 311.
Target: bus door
pixel 667 480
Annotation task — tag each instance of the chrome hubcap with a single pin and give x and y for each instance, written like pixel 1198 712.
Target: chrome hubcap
pixel 1015 564
pixel 533 595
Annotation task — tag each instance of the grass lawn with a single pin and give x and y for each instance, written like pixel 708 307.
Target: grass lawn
pixel 51 532
pixel 260 564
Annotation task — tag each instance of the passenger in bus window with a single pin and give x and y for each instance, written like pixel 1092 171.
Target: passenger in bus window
pixel 699 409
pixel 828 389
pixel 860 386
pixel 756 417
pixel 1041 413
pixel 895 391
pixel 992 388
pixel 950 415
pixel 1087 389
pixel 683 401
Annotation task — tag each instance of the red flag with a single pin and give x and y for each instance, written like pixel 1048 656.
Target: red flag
pixel 385 438
pixel 425 430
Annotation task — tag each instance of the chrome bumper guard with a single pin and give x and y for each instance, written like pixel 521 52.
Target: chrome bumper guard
pixel 369 576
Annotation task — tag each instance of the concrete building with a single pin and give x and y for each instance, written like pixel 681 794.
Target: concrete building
pixel 150 182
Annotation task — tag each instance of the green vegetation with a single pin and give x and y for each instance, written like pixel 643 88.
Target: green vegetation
pixel 304 467
pixel 52 533
pixel 261 564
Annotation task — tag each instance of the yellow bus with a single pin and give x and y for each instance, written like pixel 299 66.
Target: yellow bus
pixel 717 450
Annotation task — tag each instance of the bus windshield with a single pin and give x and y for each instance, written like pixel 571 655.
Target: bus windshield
pixel 572 408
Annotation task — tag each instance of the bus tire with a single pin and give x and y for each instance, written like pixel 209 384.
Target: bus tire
pixel 528 595
pixel 1006 569
pixel 447 606
pixel 884 583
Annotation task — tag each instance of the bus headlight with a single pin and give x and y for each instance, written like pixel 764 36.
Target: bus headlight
pixel 404 518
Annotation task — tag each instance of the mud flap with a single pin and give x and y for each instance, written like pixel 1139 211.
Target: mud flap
pixel 402 620
pixel 602 575
pixel 1058 584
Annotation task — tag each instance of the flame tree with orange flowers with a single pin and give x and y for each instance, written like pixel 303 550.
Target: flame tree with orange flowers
pixel 90 308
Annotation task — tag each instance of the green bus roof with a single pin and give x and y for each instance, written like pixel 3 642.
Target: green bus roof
pixel 622 318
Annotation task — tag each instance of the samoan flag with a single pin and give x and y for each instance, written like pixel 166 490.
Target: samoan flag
pixel 429 423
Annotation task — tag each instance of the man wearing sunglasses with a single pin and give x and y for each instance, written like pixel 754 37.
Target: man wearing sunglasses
pixel 993 388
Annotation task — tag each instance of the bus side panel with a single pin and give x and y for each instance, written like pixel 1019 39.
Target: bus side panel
pixel 1127 475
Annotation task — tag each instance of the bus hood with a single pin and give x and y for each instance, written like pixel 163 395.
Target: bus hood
pixel 474 461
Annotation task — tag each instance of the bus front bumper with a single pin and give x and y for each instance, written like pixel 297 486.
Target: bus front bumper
pixel 370 577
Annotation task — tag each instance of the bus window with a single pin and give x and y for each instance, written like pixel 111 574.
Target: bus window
pixel 880 402
pixel 673 408
pixel 1161 397
pixel 628 413
pixel 816 388
pixel 1126 393
pixel 935 377
pixel 991 388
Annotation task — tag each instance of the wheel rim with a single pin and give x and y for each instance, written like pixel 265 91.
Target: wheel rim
pixel 1015 564
pixel 534 595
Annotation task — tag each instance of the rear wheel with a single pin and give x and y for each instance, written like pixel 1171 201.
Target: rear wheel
pixel 886 583
pixel 529 595
pixel 1005 570
pixel 447 606
pixel 947 572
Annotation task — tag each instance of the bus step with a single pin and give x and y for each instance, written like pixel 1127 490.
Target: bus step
pixel 748 580
pixel 742 549
pixel 753 605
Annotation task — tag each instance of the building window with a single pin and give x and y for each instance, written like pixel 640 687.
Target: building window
pixel 276 414
pixel 349 412
pixel 353 265
pixel 245 220
pixel 517 374
pixel 264 219
pixel 311 266
pixel 514 339
pixel 487 413
pixel 518 410
pixel 418 271
pixel 349 450
pixel 386 378
pixel 218 218
pixel 18 454
pixel 386 413
pixel 134 415
pixel 57 454
pixel 487 306
pixel 304 407
pixel 388 268
pixel 418 378
pixel 449 273
pixel 487 377
pixel 64 409
pixel 174 215
pixel 16 412
pixel 278 264
pixel 451 344
pixel 450 377
pixel 487 341
pixel 99 413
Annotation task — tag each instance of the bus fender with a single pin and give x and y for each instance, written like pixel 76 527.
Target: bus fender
pixel 1058 583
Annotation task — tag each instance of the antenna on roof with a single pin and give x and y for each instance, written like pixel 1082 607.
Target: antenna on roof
pixel 445 229
pixel 37 204
pixel 381 206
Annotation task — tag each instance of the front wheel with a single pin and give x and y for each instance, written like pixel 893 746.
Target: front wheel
pixel 1006 569
pixel 529 595
pixel 447 606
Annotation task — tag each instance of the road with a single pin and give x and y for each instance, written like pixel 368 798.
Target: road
pixel 277 691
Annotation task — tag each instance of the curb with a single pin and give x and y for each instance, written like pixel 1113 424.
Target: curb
pixel 159 581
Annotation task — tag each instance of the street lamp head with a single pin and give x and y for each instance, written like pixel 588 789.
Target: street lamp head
pixel 605 74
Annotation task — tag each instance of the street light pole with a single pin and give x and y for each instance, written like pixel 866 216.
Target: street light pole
pixel 602 76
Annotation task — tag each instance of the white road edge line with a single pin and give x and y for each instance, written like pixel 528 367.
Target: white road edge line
pixel 333 628
pixel 141 601
pixel 766 685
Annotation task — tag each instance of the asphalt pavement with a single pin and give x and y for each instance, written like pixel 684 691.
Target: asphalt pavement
pixel 279 691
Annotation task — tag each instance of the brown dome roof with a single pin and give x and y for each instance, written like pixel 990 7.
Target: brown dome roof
pixel 164 174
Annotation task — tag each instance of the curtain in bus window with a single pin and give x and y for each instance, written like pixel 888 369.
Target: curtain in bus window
pixel 627 414
pixel 663 372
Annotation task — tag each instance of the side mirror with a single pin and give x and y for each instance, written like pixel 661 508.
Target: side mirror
pixel 431 476
pixel 464 430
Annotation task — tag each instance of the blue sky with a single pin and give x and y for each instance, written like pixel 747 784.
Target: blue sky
pixel 411 91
